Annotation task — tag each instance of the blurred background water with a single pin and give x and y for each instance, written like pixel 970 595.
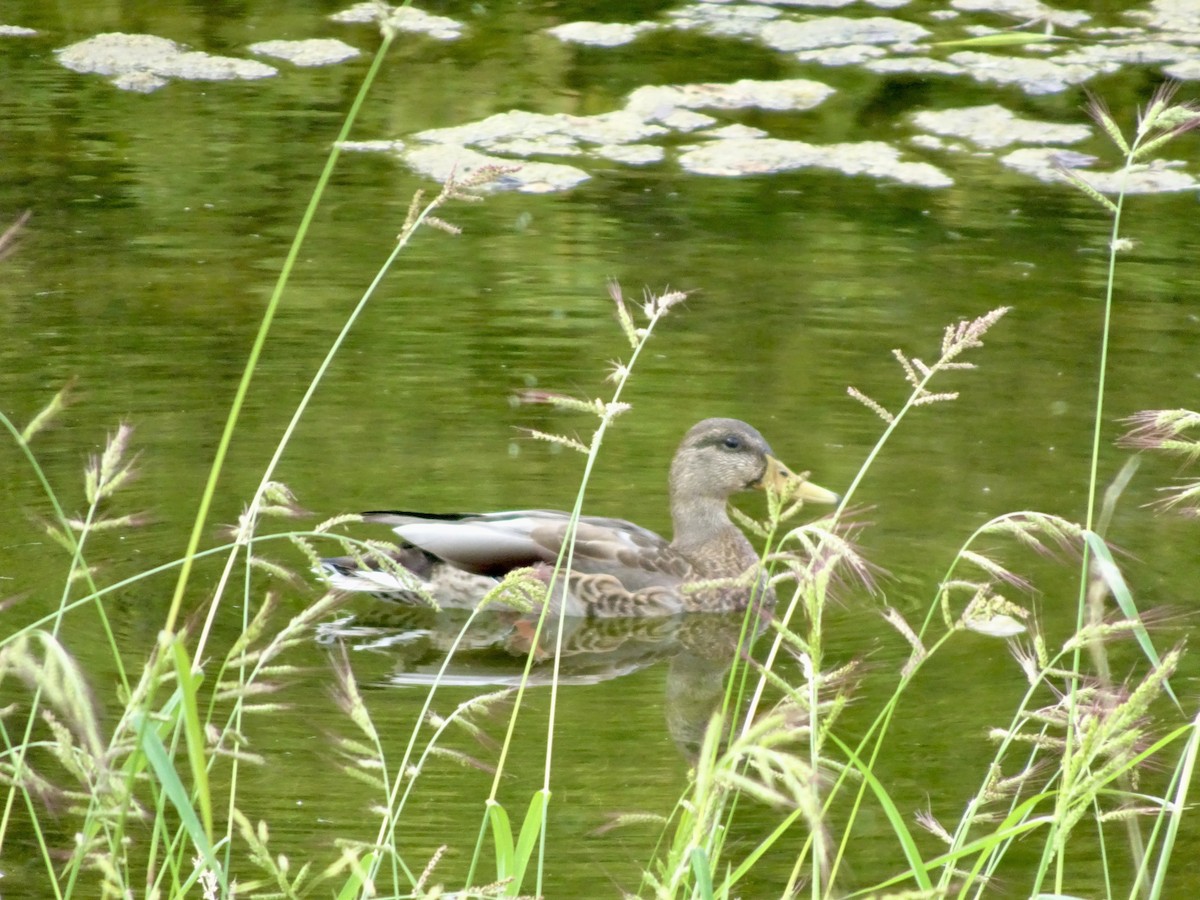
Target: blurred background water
pixel 159 224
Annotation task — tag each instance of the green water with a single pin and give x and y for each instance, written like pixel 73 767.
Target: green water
pixel 159 225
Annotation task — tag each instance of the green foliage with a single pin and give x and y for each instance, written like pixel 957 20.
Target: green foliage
pixel 512 857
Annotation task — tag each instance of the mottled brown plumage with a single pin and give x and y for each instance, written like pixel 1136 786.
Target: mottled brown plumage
pixel 618 568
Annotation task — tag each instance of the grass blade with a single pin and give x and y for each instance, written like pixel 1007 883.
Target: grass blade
pixel 703 872
pixel 530 829
pixel 1007 39
pixel 1111 573
pixel 189 683
pixel 354 883
pixel 1178 805
pixel 907 843
pixel 164 770
pixel 502 840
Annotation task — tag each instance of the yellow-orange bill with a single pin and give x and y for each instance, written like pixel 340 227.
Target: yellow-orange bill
pixel 778 477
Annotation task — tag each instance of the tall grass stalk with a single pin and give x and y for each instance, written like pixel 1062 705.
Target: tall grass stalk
pixel 264 328
pixel 419 214
pixel 654 308
pixel 104 475
pixel 1157 124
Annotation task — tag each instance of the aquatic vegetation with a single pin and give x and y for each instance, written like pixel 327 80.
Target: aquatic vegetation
pixel 312 52
pixel 146 62
pixel 1049 53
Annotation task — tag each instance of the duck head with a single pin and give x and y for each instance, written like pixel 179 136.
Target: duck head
pixel 720 457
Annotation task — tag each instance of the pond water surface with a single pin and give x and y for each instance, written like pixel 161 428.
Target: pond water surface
pixel 160 221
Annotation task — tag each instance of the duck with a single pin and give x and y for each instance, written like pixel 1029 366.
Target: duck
pixel 617 568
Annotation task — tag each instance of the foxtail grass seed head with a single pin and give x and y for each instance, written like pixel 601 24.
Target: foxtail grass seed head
pixel 427 873
pixel 520 589
pixel 481 706
pixel 108 523
pixel 39 659
pixel 414 210
pixel 559 401
pixel 968 334
pixel 995 570
pixel 1041 741
pixel 1047 535
pixel 1181 118
pixel 614 408
pixel 925 818
pixel 623 317
pixel 458 188
pixel 1081 184
pixel 466 760
pixel 927 399
pixel 279 501
pixel 624 819
pixel 558 440
pixel 1003 788
pixel 1027 659
pixel 1098 109
pixel 746 523
pixel 910 372
pixel 1163 430
pixel 275 570
pixel 1150 117
pixel 49 412
pixel 893 617
pixel 870 404
pixel 333 522
pixel 1151 687
pixel 658 305
pixel 1184 500
pixel 108 472
pixel 828 547
pixel 618 372
pixel 1150 147
pixel 1040 649
pixel 442 225
pixel 1103 631
pixel 956 340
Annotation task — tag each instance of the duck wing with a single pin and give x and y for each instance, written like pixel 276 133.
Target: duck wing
pixel 495 543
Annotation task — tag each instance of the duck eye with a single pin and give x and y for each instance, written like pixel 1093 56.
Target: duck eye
pixel 732 442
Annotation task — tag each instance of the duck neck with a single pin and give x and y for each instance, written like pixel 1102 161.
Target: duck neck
pixel 702 522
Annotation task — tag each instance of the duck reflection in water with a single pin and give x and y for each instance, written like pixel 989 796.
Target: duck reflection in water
pixel 489 650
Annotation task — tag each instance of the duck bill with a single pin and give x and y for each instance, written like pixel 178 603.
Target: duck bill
pixel 782 480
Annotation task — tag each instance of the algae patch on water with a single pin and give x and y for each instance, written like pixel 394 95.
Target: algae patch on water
pixel 146 62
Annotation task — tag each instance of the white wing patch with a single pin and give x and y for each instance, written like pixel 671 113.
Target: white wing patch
pixel 475 543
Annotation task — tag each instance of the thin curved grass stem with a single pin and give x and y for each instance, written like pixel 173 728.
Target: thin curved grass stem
pixel 1053 841
pixel 260 338
pixel 256 352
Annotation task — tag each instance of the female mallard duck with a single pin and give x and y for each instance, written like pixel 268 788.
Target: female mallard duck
pixel 618 568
